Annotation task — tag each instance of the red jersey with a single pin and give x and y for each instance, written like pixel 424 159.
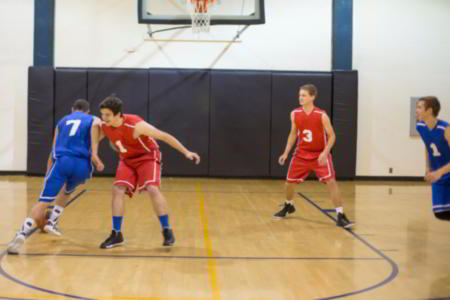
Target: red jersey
pixel 311 136
pixel 122 138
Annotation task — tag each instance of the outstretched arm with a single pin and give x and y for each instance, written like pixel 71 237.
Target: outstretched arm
pixel 143 128
pixel 436 175
pixel 292 137
pixel 331 137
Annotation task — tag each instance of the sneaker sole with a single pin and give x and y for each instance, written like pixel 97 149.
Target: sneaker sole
pixel 278 217
pixel 54 232
pixel 168 244
pixel 14 247
pixel 112 246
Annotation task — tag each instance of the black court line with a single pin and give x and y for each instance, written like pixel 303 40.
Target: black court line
pixel 5 274
pixel 383 257
pixel 200 257
pixel 67 204
pixel 394 266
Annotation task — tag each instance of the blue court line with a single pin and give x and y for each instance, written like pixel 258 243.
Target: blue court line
pixel 6 275
pixel 394 266
pixel 201 257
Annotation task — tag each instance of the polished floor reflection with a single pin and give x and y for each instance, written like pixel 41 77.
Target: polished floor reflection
pixel 229 246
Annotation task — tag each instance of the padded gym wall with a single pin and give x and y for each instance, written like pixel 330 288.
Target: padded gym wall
pixel 285 88
pixel 345 122
pixel 40 118
pixel 179 105
pixel 70 85
pixel 240 123
pixel 128 84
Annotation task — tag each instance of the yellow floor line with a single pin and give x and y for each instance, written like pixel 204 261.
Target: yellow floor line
pixel 212 267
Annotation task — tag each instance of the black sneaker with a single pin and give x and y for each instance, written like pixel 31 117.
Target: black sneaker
pixel 169 238
pixel 342 221
pixel 115 239
pixel 287 209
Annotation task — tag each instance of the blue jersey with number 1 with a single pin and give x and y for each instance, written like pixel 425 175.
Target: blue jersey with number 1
pixel 74 136
pixel 437 146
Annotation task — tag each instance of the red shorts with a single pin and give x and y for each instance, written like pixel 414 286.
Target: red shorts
pixel 138 172
pixel 299 169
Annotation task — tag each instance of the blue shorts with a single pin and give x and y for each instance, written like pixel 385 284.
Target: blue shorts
pixel 441 196
pixel 69 170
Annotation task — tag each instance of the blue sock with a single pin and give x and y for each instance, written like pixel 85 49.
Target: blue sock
pixel 164 220
pixel 117 223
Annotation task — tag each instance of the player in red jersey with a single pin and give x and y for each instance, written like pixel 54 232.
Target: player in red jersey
pixel 312 129
pixel 139 166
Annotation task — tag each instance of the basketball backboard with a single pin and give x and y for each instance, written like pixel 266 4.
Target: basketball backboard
pixel 223 12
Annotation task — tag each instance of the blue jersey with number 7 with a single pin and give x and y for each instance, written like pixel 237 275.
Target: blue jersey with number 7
pixel 437 146
pixel 74 138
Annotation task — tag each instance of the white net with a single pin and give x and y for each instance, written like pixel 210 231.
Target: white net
pixel 200 14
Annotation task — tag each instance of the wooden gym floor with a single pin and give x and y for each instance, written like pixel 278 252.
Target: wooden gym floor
pixel 228 246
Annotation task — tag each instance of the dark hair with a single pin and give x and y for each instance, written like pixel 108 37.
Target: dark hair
pixel 112 103
pixel 81 105
pixel 310 88
pixel 433 103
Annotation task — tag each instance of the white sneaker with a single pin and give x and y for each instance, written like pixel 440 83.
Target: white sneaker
pixel 51 228
pixel 16 243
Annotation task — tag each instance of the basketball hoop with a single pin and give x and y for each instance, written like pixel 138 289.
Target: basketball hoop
pixel 200 14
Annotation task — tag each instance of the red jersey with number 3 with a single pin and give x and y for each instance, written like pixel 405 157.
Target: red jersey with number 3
pixel 311 136
pixel 122 138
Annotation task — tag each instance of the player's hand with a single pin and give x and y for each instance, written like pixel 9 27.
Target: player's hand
pixel 193 156
pixel 323 158
pixel 282 159
pixel 98 163
pixel 433 176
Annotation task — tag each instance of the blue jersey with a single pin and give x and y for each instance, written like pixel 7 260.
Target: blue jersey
pixel 74 138
pixel 437 146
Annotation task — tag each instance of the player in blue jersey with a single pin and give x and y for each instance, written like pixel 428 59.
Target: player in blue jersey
pixel 435 134
pixel 75 146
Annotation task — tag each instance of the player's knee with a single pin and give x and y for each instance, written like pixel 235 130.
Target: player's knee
pixel 119 190
pixel 289 185
pixel 153 190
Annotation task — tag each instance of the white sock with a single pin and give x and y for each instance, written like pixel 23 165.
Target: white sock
pixel 56 213
pixel 291 202
pixel 27 226
pixel 340 210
